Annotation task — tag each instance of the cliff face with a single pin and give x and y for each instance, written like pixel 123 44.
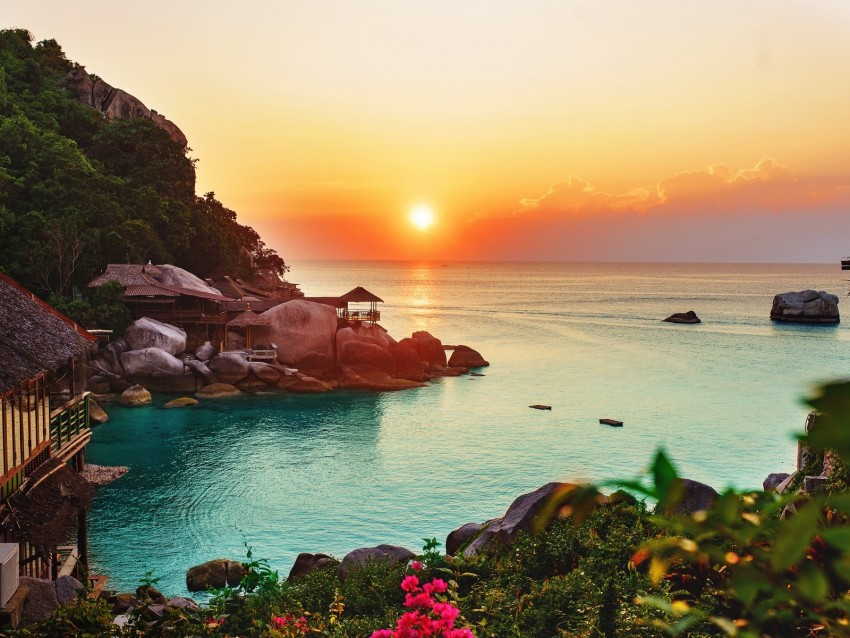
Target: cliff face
pixel 117 104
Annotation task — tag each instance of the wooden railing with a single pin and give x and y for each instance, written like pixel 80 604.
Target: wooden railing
pixel 186 316
pixel 361 315
pixel 69 425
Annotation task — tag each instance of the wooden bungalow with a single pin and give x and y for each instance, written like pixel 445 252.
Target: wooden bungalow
pixel 45 428
pixel 146 296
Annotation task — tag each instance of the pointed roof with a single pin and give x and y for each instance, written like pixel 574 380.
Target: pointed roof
pixel 360 294
pixel 248 318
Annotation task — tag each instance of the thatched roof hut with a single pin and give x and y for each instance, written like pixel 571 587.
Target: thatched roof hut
pixel 34 338
pixel 45 510
pixel 361 295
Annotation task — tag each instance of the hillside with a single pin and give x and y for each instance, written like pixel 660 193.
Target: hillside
pixel 90 176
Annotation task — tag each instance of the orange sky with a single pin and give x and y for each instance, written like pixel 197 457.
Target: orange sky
pixel 535 129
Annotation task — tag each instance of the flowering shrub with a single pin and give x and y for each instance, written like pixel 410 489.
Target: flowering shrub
pixel 289 626
pixel 430 612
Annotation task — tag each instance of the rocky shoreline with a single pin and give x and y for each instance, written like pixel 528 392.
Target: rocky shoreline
pixel 312 352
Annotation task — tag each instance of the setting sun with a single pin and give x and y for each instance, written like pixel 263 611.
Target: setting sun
pixel 422 217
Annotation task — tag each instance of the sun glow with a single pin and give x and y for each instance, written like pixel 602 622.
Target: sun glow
pixel 422 217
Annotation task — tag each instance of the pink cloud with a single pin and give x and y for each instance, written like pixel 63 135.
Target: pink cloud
pixel 767 187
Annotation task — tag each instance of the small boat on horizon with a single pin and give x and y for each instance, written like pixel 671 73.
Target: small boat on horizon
pixel 845 263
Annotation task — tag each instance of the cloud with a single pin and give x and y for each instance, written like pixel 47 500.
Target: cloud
pixel 766 188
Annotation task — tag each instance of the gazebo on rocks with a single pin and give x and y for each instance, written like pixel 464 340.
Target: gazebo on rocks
pixel 365 308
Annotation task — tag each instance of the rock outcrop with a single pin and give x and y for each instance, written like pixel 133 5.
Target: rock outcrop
pixel 461 536
pixel 387 554
pixel 116 104
pixel 229 367
pixel 307 563
pixel 361 377
pixel 520 516
pixel 367 354
pixel 466 357
pixel 205 352
pixel 808 306
pixel 408 364
pixel 683 317
pixel 182 402
pixel 200 370
pixel 97 414
pixel 218 390
pixel 774 480
pixel 215 573
pixel 136 395
pixel 298 327
pixel 180 278
pixel 151 362
pixel 430 348
pixel 695 497
pixel 150 333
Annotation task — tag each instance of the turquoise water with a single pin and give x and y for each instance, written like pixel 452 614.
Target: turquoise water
pixel 329 473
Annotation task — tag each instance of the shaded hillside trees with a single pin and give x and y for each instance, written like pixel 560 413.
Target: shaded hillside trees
pixel 78 192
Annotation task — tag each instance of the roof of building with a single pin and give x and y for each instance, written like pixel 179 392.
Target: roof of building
pixel 228 287
pixel 248 318
pixel 360 294
pixel 34 337
pixel 127 275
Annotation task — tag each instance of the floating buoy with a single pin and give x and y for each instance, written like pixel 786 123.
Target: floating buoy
pixel 540 406
pixel 612 422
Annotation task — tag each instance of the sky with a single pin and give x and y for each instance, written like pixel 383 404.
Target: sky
pixel 607 130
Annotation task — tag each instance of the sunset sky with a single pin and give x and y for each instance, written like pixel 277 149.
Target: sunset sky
pixel 533 129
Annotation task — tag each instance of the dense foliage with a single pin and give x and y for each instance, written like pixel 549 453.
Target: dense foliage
pixel 78 192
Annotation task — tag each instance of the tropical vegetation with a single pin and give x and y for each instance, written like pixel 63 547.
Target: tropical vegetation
pixel 78 192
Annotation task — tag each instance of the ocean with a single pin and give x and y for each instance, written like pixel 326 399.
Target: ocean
pixel 285 474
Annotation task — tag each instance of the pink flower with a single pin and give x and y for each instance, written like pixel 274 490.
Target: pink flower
pixel 410 583
pixel 437 585
pixel 382 633
pixel 416 566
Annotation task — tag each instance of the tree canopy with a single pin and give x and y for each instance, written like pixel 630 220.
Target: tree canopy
pixel 78 192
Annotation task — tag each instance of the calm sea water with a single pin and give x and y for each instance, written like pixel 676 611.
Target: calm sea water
pixel 329 473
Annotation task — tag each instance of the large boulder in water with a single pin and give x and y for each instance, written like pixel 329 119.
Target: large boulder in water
pixel 313 363
pixel 174 276
pixel 298 327
pixel 683 317
pixel 215 574
pixel 136 395
pixel 466 357
pixel 264 372
pixel 408 363
pixel 807 306
pixel 369 354
pixel 229 367
pixel 151 362
pixel 430 348
pixel 150 333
